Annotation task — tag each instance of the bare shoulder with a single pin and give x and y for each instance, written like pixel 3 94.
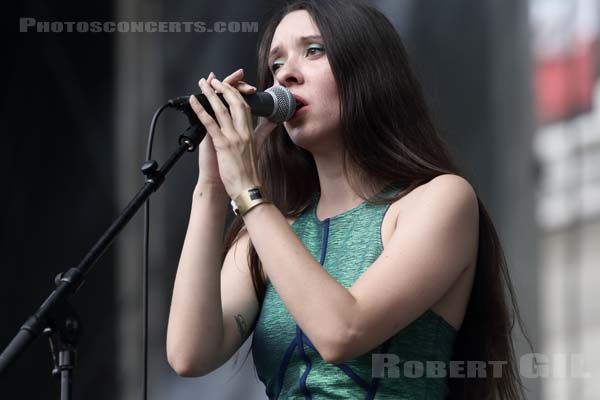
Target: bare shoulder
pixel 445 191
pixel 451 187
pixel 450 198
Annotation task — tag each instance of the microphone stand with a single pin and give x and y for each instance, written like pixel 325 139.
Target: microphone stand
pixel 55 317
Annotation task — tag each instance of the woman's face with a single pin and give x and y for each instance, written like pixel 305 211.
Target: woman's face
pixel 298 61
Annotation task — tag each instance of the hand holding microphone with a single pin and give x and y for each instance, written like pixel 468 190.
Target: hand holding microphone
pixel 228 151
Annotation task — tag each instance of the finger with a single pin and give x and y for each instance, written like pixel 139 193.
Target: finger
pixel 234 77
pixel 209 123
pixel 239 109
pixel 235 80
pixel 244 87
pixel 210 77
pixel 219 109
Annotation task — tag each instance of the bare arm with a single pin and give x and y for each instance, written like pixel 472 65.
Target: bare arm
pixel 212 307
pixel 430 248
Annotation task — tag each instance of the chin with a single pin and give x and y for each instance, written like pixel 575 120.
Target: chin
pixel 300 136
pixel 311 141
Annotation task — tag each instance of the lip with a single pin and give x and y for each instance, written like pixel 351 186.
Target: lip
pixel 299 111
pixel 299 99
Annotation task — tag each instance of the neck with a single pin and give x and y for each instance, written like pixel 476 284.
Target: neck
pixel 337 195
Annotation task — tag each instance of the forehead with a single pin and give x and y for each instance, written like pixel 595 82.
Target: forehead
pixel 295 24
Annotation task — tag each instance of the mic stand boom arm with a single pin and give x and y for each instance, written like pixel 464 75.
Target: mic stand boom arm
pixel 69 282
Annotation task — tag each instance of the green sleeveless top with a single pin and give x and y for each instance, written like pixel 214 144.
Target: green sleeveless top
pixel 401 368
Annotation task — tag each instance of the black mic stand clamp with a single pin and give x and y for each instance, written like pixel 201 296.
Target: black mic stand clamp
pixel 63 330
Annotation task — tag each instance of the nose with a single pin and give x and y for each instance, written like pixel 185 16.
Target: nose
pixel 289 74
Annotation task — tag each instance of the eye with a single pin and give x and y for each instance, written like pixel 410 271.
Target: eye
pixel 276 64
pixel 314 49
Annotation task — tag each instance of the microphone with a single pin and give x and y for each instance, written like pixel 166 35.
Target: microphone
pixel 276 103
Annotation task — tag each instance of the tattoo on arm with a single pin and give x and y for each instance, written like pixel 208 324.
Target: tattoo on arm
pixel 241 324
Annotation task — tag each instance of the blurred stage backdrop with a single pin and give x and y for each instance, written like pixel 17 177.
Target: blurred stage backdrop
pixel 513 84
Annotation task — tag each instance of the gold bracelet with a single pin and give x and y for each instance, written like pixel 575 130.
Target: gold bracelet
pixel 247 200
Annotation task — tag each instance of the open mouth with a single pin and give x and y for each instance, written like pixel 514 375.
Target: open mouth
pixel 300 109
pixel 300 106
pixel 300 102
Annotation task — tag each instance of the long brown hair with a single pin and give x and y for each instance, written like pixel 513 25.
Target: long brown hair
pixel 389 134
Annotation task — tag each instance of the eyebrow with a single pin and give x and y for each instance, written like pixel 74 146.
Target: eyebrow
pixel 301 39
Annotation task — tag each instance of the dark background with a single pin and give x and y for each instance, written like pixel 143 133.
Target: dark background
pixel 57 165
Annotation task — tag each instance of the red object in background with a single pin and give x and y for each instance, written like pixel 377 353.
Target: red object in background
pixel 565 85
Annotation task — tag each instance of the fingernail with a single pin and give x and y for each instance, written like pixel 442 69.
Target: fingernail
pixel 202 82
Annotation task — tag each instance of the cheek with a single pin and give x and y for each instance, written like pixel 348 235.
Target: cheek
pixel 329 93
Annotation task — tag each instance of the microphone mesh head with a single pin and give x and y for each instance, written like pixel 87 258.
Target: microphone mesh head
pixel 285 104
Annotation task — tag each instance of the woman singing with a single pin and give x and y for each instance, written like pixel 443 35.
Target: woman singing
pixel 357 244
